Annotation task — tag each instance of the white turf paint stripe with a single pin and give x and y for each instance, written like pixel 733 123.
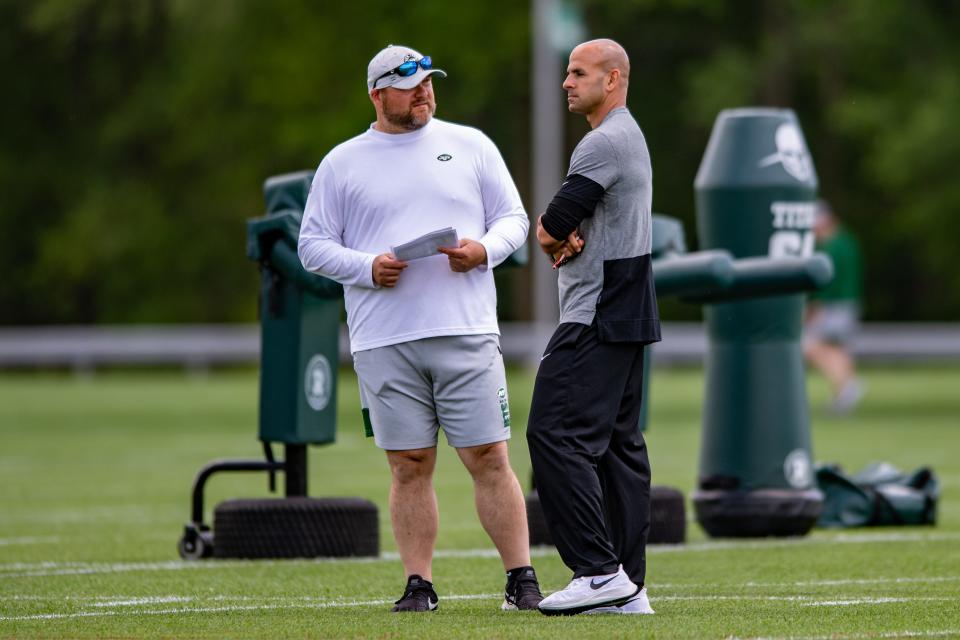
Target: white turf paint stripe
pixel 79 568
pixel 263 607
pixel 45 569
pixel 808 601
pixel 118 601
pixel 709 545
pixel 133 602
pixel 853 581
pixel 4 542
pixel 98 614
pixel 478 596
pixel 802 542
pixel 946 633
pixel 812 583
pixel 859 601
pixel 55 570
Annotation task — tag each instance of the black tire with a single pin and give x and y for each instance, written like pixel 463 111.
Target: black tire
pixel 757 514
pixel 197 546
pixel 297 527
pixel 668 519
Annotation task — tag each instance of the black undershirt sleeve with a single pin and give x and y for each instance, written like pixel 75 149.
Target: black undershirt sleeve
pixel 576 200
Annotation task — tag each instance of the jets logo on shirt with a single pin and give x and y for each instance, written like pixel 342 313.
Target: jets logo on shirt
pixel 444 157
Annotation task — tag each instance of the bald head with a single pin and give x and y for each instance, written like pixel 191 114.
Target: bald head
pixel 597 77
pixel 608 54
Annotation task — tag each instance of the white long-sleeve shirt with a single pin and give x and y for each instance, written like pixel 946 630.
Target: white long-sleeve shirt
pixel 379 190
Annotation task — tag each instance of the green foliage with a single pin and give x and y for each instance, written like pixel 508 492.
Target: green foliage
pixel 135 135
pixel 876 87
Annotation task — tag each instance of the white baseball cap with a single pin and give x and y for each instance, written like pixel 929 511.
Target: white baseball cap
pixel 384 69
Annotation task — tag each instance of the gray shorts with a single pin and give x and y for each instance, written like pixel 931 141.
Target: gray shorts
pixel 413 388
pixel 835 322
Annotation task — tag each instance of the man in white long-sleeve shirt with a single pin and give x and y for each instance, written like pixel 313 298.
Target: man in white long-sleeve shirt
pixel 424 333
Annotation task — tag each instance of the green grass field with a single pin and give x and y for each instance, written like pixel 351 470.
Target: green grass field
pixel 95 478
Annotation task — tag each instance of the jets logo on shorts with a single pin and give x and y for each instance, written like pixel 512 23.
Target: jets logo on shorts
pixel 444 157
pixel 504 407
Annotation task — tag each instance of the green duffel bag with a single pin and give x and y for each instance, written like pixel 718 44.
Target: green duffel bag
pixel 878 495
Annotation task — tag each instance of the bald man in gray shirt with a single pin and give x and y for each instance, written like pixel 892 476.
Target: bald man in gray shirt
pixel 589 457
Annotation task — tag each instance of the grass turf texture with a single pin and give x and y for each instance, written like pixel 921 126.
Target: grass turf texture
pixel 96 477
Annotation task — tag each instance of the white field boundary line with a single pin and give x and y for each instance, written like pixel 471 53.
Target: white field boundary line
pixel 944 633
pixel 133 602
pixel 852 581
pixel 131 607
pixel 235 608
pixel 47 569
pixel 724 545
pixel 25 540
pixel 658 592
pixel 812 601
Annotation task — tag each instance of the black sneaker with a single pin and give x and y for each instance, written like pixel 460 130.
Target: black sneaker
pixel 522 590
pixel 419 596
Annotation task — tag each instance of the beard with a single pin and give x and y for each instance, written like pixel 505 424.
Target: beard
pixel 409 119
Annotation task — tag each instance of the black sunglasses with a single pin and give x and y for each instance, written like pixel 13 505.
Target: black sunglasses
pixel 407 69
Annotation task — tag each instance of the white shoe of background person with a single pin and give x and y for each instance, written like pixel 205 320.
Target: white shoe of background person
pixel 848 398
pixel 639 604
pixel 590 592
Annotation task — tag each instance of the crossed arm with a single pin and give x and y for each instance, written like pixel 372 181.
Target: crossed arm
pixel 558 230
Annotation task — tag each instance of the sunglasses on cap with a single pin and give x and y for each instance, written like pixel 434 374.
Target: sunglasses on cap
pixel 407 69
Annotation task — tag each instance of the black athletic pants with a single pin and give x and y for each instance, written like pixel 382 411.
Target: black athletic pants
pixel 589 458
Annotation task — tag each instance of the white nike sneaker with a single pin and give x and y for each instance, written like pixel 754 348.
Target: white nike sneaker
pixel 590 592
pixel 639 604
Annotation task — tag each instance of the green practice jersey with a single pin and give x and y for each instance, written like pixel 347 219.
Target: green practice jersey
pixel 844 250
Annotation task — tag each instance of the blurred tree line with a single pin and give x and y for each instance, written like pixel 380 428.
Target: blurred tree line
pixel 135 134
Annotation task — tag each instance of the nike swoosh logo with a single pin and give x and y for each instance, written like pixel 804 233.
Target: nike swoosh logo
pixel 596 585
pixel 545 357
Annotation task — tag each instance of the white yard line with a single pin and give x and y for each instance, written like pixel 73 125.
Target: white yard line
pixel 45 569
pixel 229 609
pixel 859 601
pixel 139 612
pixel 131 607
pixel 49 569
pixel 854 581
pixel 41 569
pixel 946 633
pixel 880 538
pixel 808 601
pixel 134 602
pixel 5 542
pixel 809 583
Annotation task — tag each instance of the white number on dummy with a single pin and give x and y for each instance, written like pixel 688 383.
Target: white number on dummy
pixel 791 244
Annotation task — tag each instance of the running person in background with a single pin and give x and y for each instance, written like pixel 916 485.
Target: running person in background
pixel 424 333
pixel 833 314
pixel 589 457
